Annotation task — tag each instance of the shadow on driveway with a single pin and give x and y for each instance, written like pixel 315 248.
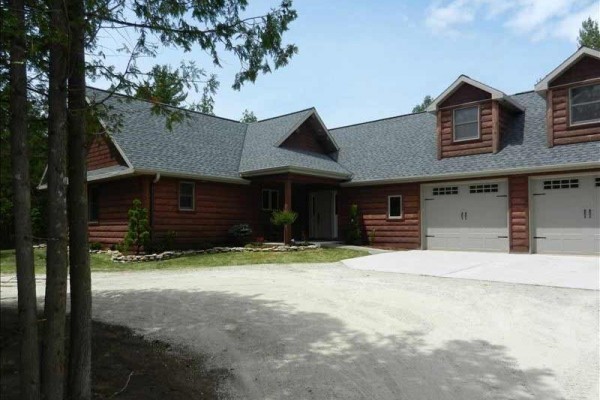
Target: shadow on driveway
pixel 276 351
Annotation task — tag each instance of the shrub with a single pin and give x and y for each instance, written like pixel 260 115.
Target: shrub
pixel 353 235
pixel 240 233
pixel 283 217
pixel 169 240
pixel 95 246
pixel 372 236
pixel 138 233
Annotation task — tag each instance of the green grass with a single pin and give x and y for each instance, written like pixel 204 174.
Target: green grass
pixel 102 262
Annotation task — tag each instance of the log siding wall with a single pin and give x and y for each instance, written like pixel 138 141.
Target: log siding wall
pixel 102 153
pixel 303 139
pixel 372 202
pixel 485 143
pixel 518 210
pixel 115 198
pixel 218 206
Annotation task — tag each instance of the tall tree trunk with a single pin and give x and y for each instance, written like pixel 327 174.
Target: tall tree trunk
pixel 29 372
pixel 81 295
pixel 53 363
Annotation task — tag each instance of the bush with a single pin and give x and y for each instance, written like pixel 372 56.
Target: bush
pixel 240 233
pixel 138 234
pixel 95 246
pixel 353 235
pixel 284 217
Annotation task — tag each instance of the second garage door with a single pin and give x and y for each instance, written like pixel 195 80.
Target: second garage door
pixel 466 216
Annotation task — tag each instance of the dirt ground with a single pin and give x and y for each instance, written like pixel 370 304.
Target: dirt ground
pixel 326 331
pixel 157 371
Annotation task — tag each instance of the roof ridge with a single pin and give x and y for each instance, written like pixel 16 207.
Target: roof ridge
pixel 167 105
pixel 284 115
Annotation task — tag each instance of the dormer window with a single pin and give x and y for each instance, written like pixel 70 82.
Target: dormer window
pixel 466 124
pixel 584 104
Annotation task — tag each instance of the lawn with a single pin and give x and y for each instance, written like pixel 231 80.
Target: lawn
pixel 102 262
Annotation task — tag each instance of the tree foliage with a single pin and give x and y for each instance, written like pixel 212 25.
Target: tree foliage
pixel 248 116
pixel 427 100
pixel 138 229
pixel 353 233
pixel 589 34
pixel 283 217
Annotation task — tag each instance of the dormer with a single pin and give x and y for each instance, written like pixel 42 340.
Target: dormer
pixel 309 134
pixel 572 92
pixel 470 118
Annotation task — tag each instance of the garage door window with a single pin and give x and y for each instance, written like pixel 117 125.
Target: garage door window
pixel 597 182
pixel 561 184
pixel 395 206
pixel 487 188
pixel 444 191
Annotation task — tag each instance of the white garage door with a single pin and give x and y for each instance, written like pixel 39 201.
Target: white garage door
pixel 566 215
pixel 472 216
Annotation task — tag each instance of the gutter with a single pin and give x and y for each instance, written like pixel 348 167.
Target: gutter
pixel 477 174
pixel 199 177
pixel 297 170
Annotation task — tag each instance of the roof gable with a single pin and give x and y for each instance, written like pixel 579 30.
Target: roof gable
pixel 583 52
pixel 478 89
pixel 311 124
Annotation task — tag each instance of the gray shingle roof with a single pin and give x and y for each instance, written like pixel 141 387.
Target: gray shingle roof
pixel 398 148
pixel 200 145
pixel 405 147
pixel 261 151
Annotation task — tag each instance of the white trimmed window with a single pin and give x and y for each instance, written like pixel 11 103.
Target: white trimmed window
pixel 186 196
pixel 584 104
pixel 270 199
pixel 466 124
pixel 395 206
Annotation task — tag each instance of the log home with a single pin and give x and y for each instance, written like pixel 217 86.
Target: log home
pixel 480 170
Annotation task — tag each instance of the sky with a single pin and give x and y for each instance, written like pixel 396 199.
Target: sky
pixel 364 60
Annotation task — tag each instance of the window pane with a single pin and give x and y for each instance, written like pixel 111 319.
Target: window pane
pixel 585 112
pixel 465 115
pixel 274 200
pixel 467 131
pixel 186 196
pixel 93 205
pixel 265 199
pixel 186 189
pixel 395 206
pixel 585 94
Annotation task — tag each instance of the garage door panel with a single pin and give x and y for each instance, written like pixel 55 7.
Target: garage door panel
pixel 466 217
pixel 565 215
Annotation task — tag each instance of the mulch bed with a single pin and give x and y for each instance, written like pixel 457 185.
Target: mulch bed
pixel 124 365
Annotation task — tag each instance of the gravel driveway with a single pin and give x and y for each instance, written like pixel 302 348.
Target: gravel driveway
pixel 329 332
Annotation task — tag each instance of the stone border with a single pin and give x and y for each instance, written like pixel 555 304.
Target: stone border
pixel 117 257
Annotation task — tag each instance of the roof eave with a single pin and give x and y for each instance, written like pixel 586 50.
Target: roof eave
pixel 297 170
pixel 200 177
pixel 542 86
pixel 476 174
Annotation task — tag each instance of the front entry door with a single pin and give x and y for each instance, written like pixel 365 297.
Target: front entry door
pixel 321 211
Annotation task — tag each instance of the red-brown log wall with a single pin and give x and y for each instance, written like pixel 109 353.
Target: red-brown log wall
pixel 102 153
pixel 115 198
pixel 465 94
pixel 218 206
pixel 558 121
pixel 518 208
pixel 482 145
pixel 584 69
pixel 372 202
pixel 303 139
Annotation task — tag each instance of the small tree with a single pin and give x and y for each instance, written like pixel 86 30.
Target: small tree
pixel 427 100
pixel 353 235
pixel 284 218
pixel 589 34
pixel 138 233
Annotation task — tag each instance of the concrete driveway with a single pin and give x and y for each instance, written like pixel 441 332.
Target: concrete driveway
pixel 580 272
pixel 330 332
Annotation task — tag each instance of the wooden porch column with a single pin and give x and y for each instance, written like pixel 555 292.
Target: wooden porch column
pixel 287 206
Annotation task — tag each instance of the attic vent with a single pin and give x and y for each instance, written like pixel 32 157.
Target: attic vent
pixel 561 184
pixel 487 188
pixel 442 191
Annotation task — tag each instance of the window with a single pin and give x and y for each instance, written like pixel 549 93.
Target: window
pixel 597 180
pixel 466 124
pixel 93 204
pixel 270 199
pixel 486 188
pixel 395 206
pixel 584 104
pixel 561 184
pixel 442 191
pixel 186 195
